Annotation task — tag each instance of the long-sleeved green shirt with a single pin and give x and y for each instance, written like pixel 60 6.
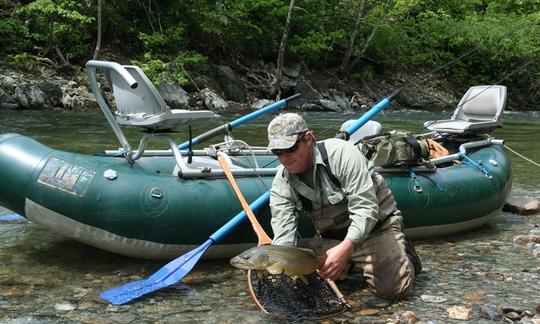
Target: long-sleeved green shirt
pixel 355 203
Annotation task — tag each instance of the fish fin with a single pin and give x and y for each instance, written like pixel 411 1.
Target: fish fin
pixel 308 251
pixel 302 278
pixel 275 268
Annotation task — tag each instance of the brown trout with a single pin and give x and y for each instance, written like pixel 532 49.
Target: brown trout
pixel 276 259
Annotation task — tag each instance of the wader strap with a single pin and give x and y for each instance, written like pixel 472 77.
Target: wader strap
pixel 324 155
pixel 306 203
pixel 414 144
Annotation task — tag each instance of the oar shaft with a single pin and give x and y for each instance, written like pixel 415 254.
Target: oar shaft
pixel 240 217
pixel 367 116
pixel 237 122
pixel 263 111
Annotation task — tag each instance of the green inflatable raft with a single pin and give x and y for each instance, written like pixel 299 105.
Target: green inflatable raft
pixel 161 204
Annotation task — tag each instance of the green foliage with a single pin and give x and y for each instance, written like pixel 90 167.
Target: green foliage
pixel 170 37
pixel 58 23
pixel 173 69
pixel 22 62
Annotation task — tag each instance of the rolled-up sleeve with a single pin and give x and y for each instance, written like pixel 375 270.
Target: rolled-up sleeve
pixel 284 214
pixel 352 171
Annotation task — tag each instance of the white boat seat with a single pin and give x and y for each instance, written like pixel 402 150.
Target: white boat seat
pixel 368 129
pixel 144 107
pixel 479 111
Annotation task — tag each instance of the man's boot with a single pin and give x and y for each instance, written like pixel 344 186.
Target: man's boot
pixel 413 257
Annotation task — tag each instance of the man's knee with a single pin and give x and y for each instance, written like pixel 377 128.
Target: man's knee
pixel 395 290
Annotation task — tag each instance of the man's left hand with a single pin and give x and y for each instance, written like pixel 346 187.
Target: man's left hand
pixel 336 260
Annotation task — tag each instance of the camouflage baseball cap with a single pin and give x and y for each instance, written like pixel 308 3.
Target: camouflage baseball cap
pixel 284 130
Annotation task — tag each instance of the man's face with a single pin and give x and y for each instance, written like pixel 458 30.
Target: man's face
pixel 301 159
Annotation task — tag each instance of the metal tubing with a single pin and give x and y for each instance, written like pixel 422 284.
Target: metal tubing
pixel 463 150
pixel 218 173
pixel 91 67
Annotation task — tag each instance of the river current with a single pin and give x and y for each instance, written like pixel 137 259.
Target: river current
pixel 47 278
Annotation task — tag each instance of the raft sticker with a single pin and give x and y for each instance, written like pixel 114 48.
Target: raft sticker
pixel 66 176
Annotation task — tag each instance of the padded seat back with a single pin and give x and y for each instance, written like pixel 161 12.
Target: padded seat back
pixel 482 103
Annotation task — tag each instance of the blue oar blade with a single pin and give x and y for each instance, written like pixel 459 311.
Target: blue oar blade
pixel 11 217
pixel 168 275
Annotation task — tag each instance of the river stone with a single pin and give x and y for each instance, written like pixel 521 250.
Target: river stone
pixel 459 313
pixel 213 101
pixel 6 101
pixel 491 312
pixel 526 240
pixel 408 317
pixel 259 104
pixel 523 205
pixel 512 316
pixel 433 299
pixel 174 95
pixel 64 307
pixel 230 84
pixel 52 93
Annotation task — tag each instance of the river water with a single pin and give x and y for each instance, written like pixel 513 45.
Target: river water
pixel 46 278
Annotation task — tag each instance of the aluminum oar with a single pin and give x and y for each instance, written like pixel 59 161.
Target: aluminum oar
pixel 346 134
pixel 237 122
pixel 178 268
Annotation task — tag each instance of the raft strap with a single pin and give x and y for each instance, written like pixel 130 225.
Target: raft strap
pixel 467 160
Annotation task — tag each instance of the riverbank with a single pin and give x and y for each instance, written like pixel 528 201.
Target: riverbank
pixel 479 276
pixel 225 89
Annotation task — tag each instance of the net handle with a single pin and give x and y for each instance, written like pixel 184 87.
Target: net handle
pixel 261 234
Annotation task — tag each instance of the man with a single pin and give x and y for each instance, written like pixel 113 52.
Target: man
pixel 352 210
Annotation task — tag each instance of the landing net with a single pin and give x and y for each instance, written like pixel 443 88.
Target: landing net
pixel 284 297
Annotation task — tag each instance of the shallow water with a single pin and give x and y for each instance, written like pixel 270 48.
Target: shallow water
pixel 45 278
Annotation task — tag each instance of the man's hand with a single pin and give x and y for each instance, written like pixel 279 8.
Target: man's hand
pixel 336 260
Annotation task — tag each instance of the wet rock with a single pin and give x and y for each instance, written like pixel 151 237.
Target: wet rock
pixel 459 313
pixel 536 250
pixel 408 317
pixel 495 276
pixel 213 101
pixel 259 104
pixel 512 316
pixel 474 297
pixel 491 312
pixel 174 95
pixel 376 302
pixel 6 101
pixel 433 299
pixel 229 83
pixel 368 312
pixel 523 205
pixel 526 240
pixel 64 307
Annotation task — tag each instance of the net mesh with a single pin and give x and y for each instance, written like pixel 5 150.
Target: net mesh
pixel 285 297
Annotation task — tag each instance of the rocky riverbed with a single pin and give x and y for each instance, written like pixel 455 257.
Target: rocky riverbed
pixel 481 276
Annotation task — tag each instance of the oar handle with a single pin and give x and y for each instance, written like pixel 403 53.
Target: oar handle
pixel 261 234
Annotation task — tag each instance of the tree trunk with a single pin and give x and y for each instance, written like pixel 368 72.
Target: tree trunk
pixel 281 53
pixel 369 40
pixel 352 39
pixel 98 43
